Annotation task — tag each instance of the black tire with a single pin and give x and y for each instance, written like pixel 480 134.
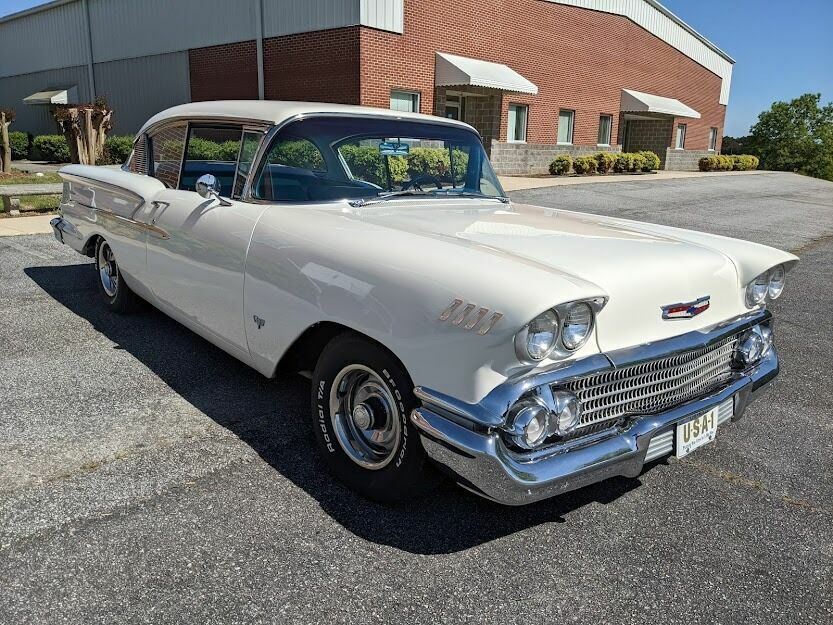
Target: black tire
pixel 118 297
pixel 408 472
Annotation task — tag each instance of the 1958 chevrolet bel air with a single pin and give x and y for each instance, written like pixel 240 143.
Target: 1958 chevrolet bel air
pixel 525 351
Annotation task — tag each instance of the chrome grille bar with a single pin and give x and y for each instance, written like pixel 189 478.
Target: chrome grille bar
pixel 653 386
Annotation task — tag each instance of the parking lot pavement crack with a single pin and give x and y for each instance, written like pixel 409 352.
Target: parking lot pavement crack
pixel 735 478
pixel 812 243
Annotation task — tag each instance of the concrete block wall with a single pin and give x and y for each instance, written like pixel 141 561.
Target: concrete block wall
pixel 520 159
pixel 684 160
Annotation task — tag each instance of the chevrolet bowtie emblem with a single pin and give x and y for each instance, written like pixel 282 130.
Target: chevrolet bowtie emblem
pixel 686 310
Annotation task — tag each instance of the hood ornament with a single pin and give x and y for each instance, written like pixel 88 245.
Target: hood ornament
pixel 686 310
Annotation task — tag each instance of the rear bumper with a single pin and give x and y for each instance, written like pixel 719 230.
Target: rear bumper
pixel 61 228
pixel 480 461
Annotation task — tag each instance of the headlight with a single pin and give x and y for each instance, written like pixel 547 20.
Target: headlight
pixel 776 282
pixel 578 322
pixel 529 422
pixel 538 338
pixel 769 285
pixel 753 345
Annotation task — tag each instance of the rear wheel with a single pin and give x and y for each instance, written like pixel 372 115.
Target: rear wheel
pixel 361 401
pixel 117 295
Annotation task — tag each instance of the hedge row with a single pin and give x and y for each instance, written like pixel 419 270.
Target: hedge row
pixel 604 162
pixel 736 162
pixel 54 148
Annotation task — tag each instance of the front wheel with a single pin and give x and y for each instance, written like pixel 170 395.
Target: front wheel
pixel 361 401
pixel 117 295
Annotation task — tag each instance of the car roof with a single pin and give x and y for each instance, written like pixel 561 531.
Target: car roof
pixel 277 112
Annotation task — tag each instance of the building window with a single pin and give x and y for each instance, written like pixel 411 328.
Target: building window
pixel 405 101
pixel 712 139
pixel 680 145
pixel 605 126
pixel 565 126
pixel 516 128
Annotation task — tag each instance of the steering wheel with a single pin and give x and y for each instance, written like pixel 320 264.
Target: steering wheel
pixel 417 182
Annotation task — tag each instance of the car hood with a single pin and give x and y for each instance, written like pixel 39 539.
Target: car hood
pixel 639 267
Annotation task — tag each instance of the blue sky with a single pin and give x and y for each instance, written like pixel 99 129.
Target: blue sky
pixel 782 49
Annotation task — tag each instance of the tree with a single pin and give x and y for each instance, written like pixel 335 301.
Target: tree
pixel 85 127
pixel 6 118
pixel 796 136
pixel 735 145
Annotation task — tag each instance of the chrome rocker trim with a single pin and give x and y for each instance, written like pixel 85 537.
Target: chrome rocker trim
pixel 480 461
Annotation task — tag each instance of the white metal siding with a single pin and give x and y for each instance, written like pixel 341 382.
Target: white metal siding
pixel 45 40
pixel 657 23
pixel 383 14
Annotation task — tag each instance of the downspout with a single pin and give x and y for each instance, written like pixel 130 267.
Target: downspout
pixel 90 68
pixel 261 90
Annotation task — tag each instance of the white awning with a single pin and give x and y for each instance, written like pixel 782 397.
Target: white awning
pixel 57 96
pixel 454 71
pixel 638 102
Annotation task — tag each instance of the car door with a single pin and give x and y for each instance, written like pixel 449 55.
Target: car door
pixel 196 270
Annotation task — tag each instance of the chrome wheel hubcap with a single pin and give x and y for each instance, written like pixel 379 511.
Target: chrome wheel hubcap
pixel 365 417
pixel 108 271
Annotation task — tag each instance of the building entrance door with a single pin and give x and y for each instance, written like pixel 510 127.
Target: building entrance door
pixel 455 106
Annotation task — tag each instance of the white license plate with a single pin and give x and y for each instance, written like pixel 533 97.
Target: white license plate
pixel 696 432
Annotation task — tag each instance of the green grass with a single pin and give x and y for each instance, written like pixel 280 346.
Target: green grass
pixel 18 178
pixel 39 202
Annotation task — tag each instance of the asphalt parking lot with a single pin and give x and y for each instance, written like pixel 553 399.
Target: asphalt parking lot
pixel 146 476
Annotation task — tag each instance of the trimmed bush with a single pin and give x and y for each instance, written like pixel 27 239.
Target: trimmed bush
pixel 584 165
pixel 652 162
pixel 20 145
pixel 624 162
pixel 561 165
pixel 744 162
pixel 638 163
pixel 51 148
pixel 117 149
pixel 604 161
pixel 719 162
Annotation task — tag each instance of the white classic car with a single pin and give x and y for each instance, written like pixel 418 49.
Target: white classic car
pixel 525 351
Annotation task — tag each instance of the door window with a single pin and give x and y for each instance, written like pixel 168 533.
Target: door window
pixel 211 150
pixel 167 145
pixel 250 143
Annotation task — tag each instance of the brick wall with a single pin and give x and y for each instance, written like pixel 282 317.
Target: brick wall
pixel 225 72
pixel 580 59
pixel 319 66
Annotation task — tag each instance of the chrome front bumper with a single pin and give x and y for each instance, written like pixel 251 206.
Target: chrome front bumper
pixel 476 456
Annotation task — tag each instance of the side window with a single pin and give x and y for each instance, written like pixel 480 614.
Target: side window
pixel 167 146
pixel 291 167
pixel 211 150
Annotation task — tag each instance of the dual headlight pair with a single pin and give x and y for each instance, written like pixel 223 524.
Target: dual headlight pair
pixel 768 286
pixel 531 422
pixel 564 328
pixel 753 345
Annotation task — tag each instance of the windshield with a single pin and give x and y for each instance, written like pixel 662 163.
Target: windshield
pixel 331 158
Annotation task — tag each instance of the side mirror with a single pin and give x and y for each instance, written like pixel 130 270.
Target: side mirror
pixel 209 187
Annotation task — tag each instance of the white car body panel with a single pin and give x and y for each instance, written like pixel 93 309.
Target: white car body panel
pixel 388 270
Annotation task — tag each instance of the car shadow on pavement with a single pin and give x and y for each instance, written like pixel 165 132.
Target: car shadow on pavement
pixel 271 416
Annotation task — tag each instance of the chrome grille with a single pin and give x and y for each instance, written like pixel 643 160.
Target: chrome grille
pixel 654 386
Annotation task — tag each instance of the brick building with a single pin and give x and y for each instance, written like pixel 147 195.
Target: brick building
pixel 535 77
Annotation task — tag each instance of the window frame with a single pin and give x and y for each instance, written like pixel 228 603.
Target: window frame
pixel 570 129
pixel 517 106
pixel 680 145
pixel 609 129
pixel 712 139
pixel 415 95
pixel 149 138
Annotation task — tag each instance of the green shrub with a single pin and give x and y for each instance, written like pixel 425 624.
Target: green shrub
pixel 651 160
pixel 561 164
pixel 51 148
pixel 624 162
pixel 20 145
pixel 638 163
pixel 604 161
pixel 300 153
pixel 365 162
pixel 584 165
pixel 203 149
pixel 117 149
pixel 720 162
pixel 705 163
pixel 744 162
pixel 228 151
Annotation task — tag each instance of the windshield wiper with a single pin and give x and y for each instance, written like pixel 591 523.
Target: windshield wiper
pixel 433 193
